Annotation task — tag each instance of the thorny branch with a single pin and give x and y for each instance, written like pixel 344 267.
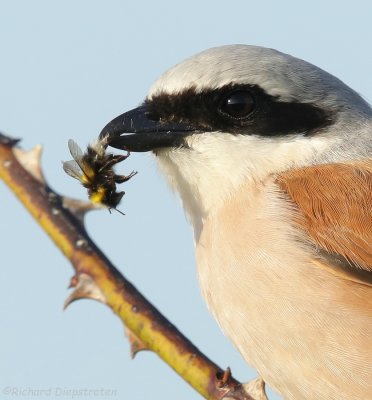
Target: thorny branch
pixel 96 278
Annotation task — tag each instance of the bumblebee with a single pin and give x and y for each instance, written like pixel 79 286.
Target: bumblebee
pixel 94 170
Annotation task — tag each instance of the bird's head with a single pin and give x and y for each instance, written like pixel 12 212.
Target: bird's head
pixel 240 113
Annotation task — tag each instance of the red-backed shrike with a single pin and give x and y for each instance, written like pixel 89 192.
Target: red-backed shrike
pixel 272 158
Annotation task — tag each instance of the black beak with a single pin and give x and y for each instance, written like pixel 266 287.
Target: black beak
pixel 140 130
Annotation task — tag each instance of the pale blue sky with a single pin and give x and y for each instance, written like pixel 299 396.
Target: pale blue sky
pixel 67 68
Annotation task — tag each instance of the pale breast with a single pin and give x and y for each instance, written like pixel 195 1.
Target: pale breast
pixel 306 331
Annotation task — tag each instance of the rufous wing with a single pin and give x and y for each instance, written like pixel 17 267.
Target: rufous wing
pixel 335 208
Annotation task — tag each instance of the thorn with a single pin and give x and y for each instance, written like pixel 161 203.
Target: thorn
pixel 136 344
pixel 73 282
pixel 253 390
pixel 85 288
pixel 256 389
pixel 79 207
pixel 31 161
pixel 223 378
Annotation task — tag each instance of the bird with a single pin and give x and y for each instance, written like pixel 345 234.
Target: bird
pixel 272 159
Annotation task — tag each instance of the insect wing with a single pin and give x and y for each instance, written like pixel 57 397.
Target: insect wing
pixel 76 153
pixel 73 169
pixel 77 168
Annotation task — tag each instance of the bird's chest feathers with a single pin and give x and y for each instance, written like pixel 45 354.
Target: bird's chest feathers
pixel 244 254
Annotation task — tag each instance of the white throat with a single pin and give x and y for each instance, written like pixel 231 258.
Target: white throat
pixel 216 164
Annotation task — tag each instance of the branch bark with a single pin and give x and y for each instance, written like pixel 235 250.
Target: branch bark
pixel 96 278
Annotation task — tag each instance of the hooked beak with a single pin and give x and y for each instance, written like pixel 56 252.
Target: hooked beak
pixel 139 130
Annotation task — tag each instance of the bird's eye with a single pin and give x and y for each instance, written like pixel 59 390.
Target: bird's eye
pixel 237 105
